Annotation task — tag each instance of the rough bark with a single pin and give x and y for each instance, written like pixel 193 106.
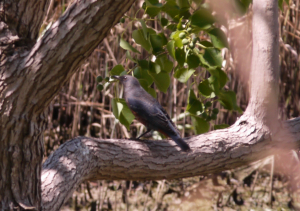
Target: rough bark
pixel 85 158
pixel 21 142
pixel 31 73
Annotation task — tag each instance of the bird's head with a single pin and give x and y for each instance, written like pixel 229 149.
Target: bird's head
pixel 127 80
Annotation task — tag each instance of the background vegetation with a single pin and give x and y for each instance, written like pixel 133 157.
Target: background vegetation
pixel 82 110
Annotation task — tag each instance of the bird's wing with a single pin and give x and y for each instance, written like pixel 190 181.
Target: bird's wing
pixel 149 112
pixel 142 110
pixel 164 119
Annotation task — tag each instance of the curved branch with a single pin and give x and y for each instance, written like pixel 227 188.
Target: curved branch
pixel 43 70
pixel 71 40
pixel 85 158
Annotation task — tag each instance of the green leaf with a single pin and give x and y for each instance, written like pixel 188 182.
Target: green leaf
pixel 213 57
pixel 150 31
pixel 201 126
pixel 144 84
pixel 171 9
pixel 153 7
pixel 125 45
pixel 218 38
pixel 154 67
pixel 218 76
pixel 214 83
pixel 193 61
pixel 161 80
pixel 194 105
pixel 222 77
pixel 144 27
pixel 175 12
pixel 165 64
pixel 176 38
pixel 243 5
pixel 206 44
pixel 171 48
pixel 140 73
pixel 164 21
pixel 280 2
pixel 144 64
pixel 122 112
pixel 202 18
pixel 180 24
pixel 246 3
pixel 117 70
pixel 152 11
pixel 139 38
pixel 180 56
pixel 183 74
pixel 152 2
pixel 152 92
pixel 228 100
pixel 157 42
pixel 128 56
pixel 183 3
pixel 172 27
pixel 163 38
pixel 204 88
pixel 221 126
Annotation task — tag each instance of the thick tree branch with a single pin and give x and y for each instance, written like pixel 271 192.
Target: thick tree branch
pixel 71 40
pixel 264 77
pixel 85 158
pixel 42 70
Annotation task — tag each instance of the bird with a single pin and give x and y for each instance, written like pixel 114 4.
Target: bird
pixel 148 111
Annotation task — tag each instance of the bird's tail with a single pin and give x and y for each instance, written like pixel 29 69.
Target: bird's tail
pixel 181 143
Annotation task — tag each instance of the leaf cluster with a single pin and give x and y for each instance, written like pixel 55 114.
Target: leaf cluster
pixel 188 42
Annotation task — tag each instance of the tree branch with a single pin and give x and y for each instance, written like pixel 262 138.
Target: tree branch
pixel 56 56
pixel 85 158
pixel 264 77
pixel 71 40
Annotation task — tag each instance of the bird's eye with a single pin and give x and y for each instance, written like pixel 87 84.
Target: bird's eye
pixel 125 77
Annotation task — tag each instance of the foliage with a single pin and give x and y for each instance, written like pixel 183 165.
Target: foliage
pixel 187 43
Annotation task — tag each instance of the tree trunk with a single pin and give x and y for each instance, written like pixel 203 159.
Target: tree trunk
pixel 21 127
pixel 31 73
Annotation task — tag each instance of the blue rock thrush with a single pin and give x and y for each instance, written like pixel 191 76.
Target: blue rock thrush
pixel 148 111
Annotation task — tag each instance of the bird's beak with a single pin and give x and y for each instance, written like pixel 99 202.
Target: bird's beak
pixel 116 77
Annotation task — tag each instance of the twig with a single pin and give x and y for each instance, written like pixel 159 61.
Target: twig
pixel 148 192
pixel 110 51
pixel 271 182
